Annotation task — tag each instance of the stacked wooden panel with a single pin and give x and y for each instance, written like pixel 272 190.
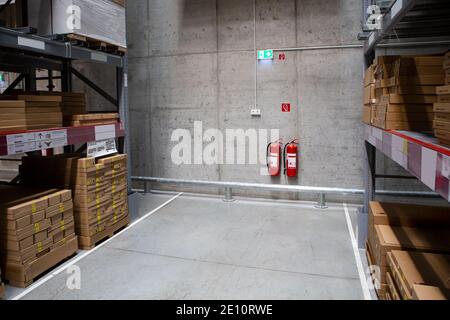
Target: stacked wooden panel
pixel 94 119
pixel 404 227
pixel 442 108
pixel 30 112
pixel 99 191
pixel 36 232
pixel 406 92
pixel 71 102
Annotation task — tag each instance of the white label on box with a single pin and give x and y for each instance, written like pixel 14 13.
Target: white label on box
pixel 105 132
pixel 99 57
pixel 102 148
pixel 446 167
pixel 125 80
pixel 32 43
pixel 429 159
pixel 398 5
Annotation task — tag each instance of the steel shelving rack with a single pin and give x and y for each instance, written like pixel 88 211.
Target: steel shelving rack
pixel 24 53
pixel 409 27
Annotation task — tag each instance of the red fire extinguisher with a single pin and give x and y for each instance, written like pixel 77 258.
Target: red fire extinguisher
pixel 274 158
pixel 290 156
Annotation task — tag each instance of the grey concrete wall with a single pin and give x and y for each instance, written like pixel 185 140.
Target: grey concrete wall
pixel 194 60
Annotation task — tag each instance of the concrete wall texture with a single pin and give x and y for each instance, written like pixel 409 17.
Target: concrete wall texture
pixel 194 60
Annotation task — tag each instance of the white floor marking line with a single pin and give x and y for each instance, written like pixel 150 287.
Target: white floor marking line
pixel 359 265
pixel 84 255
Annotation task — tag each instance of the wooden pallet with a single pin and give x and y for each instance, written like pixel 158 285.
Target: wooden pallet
pixel 92 43
pixel 25 276
pixel 88 243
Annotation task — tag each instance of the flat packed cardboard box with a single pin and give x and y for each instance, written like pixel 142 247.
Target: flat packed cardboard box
pixel 423 292
pixel 418 268
pixel 406 215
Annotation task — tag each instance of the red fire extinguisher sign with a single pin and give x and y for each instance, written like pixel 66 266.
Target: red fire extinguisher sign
pixel 286 107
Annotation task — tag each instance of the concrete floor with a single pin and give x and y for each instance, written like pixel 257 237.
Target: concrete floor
pixel 204 248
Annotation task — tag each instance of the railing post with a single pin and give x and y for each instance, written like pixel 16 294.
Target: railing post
pixel 322 202
pixel 228 195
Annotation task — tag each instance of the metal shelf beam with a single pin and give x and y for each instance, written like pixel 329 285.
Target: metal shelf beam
pixel 35 45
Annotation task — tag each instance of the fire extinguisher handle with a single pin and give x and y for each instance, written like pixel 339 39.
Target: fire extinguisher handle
pixel 267 154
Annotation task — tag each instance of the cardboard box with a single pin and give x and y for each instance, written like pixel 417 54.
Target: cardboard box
pixel 443 90
pixel 402 125
pixel 443 98
pixel 442 117
pixel 59 208
pixel 442 134
pixel 409 117
pixel 395 295
pixel 441 107
pixel 412 90
pixel 406 215
pixel 369 76
pixel 423 292
pixel 418 268
pixel 418 80
pixel 369 94
pixel 409 99
pixel 388 238
pixel 441 125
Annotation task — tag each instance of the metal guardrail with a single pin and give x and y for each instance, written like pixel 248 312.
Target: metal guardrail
pixel 229 186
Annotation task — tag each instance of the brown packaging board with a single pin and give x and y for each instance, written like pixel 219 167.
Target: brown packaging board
pixel 421 268
pixel 423 292
pixel 442 107
pixel 388 238
pixel 407 215
pixel 369 76
pixel 443 90
pixel 369 94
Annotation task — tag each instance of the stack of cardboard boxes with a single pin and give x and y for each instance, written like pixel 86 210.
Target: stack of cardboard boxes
pixel 403 227
pixel 99 191
pixel 418 276
pixel 369 95
pixel 405 91
pixel 442 107
pixel 30 112
pixel 36 232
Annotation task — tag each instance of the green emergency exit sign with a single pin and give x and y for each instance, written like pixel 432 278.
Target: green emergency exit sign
pixel 265 55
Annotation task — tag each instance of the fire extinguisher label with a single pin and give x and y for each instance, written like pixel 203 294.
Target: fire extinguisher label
pixel 274 160
pixel 292 161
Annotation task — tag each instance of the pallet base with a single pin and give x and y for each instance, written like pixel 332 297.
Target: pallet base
pixel 88 243
pixel 23 277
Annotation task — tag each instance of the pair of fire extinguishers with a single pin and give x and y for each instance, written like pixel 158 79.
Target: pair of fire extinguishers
pixel 277 156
